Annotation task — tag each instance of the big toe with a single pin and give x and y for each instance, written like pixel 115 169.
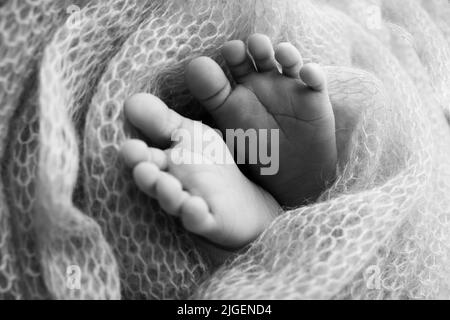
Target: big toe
pixel 208 83
pixel 210 86
pixel 153 118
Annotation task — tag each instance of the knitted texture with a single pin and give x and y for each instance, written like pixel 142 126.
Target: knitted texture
pixel 382 231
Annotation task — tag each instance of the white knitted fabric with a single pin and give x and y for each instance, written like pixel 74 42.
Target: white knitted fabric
pixel 382 231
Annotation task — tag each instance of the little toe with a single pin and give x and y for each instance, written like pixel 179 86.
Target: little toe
pixel 313 76
pixel 208 83
pixel 170 194
pixel 153 118
pixel 262 52
pixel 196 217
pixel 235 55
pixel 290 59
pixel 146 174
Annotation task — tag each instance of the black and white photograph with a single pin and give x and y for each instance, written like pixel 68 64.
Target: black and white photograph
pixel 248 151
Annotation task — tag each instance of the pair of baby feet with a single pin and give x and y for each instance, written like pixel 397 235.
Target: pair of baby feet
pixel 213 198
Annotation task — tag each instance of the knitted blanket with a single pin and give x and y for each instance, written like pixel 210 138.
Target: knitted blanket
pixel 68 204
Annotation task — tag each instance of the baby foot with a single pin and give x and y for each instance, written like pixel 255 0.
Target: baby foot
pixel 211 196
pixel 295 101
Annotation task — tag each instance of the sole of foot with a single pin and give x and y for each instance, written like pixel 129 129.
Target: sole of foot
pixel 274 91
pixel 208 193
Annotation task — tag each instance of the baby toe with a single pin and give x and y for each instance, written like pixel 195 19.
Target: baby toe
pixel 146 175
pixel 158 157
pixel 261 49
pixel 169 193
pixel 196 217
pixel 290 59
pixel 134 152
pixel 152 117
pixel 235 55
pixel 207 82
pixel 313 76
